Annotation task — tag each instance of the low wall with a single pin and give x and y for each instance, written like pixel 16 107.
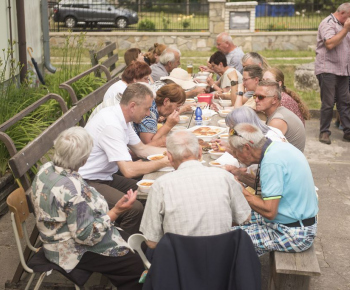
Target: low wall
pixel 199 41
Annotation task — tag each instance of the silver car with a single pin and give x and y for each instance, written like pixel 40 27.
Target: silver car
pixel 72 12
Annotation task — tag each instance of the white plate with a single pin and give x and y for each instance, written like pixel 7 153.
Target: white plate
pixel 208 137
pixel 154 155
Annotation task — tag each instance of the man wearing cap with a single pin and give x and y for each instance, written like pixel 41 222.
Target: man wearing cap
pixel 284 215
pixel 168 60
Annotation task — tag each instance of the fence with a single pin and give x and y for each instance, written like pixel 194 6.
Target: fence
pixel 130 16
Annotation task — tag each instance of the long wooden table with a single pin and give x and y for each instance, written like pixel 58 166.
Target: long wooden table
pixel 206 156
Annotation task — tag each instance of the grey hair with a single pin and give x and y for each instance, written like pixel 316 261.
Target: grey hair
pixel 136 92
pixel 344 7
pixel 72 148
pixel 275 86
pixel 182 145
pixel 247 115
pixel 256 59
pixel 254 71
pixel 168 55
pixel 249 134
pixel 225 37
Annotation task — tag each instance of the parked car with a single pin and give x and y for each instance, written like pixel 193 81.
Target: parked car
pixel 72 12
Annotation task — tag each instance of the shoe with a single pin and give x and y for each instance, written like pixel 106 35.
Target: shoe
pixel 324 138
pixel 346 137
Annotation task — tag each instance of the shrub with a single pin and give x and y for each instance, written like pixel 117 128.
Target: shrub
pixel 147 25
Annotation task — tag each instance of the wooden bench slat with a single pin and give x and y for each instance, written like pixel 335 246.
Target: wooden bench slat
pixel 120 68
pixel 304 263
pixel 111 60
pixel 104 51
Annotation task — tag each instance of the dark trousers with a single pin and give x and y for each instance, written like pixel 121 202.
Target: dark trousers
pixel 334 89
pixel 114 190
pixel 124 272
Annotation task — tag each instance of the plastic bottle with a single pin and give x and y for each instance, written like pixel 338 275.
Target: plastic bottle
pixel 198 120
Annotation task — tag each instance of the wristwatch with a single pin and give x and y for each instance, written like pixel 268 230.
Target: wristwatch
pixel 239 93
pixel 234 83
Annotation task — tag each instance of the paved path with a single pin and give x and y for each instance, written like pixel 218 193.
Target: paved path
pixel 330 165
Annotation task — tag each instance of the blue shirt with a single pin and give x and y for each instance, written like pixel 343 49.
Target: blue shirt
pixel 149 123
pixel 285 174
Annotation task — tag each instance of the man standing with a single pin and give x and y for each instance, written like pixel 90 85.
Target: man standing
pixel 332 69
pixel 113 135
pixel 168 60
pixel 232 52
pixel 268 99
pixel 284 215
pixel 194 200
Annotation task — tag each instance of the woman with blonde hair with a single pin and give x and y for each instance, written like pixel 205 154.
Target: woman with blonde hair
pixel 167 103
pixel 290 99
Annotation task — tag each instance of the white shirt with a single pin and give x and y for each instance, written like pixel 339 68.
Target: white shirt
pixel 225 81
pixel 194 200
pixel 111 135
pixel 115 89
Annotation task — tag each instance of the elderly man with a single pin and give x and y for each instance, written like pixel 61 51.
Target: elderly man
pixel 113 135
pixel 232 53
pixel 284 215
pixel 168 60
pixel 332 69
pixel 268 99
pixel 194 200
pixel 218 64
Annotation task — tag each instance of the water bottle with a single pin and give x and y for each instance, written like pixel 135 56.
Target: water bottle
pixel 198 113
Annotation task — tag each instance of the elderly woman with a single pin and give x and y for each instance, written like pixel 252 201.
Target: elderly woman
pixel 167 103
pixel 73 219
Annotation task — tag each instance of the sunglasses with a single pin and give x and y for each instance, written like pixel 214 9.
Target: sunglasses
pixel 261 97
pixel 233 132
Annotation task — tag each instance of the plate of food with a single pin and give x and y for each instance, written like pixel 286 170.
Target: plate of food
pixel 206 132
pixel 155 157
pixel 214 163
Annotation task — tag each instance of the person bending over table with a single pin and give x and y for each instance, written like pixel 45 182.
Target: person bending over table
pixel 113 136
pixel 73 219
pixel 167 103
pixel 194 200
pixel 284 215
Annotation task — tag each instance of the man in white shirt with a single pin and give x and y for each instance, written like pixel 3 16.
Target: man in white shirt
pixel 194 200
pixel 113 134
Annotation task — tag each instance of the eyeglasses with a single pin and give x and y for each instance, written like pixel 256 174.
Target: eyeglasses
pixel 261 97
pixel 233 132
pixel 244 80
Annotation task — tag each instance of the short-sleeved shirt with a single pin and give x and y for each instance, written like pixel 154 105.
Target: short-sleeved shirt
pixel 337 60
pixel 111 135
pixel 234 59
pixel 296 131
pixel 285 174
pixel 158 71
pixel 149 123
pixel 225 81
pixel 115 91
pixel 72 218
pixel 194 200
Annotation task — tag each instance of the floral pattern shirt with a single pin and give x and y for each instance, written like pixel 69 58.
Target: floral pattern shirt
pixel 72 218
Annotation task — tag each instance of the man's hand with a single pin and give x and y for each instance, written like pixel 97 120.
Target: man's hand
pixel 173 119
pixel 215 143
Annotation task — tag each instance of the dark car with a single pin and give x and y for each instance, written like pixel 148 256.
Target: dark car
pixel 72 12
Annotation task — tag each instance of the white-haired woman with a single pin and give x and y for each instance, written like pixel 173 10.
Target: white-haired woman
pixel 73 219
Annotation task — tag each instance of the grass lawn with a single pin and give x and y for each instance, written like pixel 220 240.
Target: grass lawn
pixel 197 58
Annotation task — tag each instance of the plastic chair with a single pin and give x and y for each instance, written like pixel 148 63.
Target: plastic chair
pixel 18 205
pixel 135 242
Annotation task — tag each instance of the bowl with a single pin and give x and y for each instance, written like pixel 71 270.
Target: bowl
pixel 178 128
pixel 222 123
pixel 206 122
pixel 213 163
pixel 215 154
pixel 189 101
pixel 145 185
pixel 155 157
pixel 201 79
pixel 224 113
pixel 225 103
pixel 201 85
pixel 203 73
pixel 183 119
pixel 224 136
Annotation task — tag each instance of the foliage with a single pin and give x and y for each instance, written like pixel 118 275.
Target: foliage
pixel 165 21
pixel 147 25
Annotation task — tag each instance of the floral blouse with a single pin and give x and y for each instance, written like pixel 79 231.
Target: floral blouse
pixel 288 102
pixel 72 218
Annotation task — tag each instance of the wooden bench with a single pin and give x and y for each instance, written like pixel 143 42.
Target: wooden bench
pixel 22 161
pixel 293 271
pixel 110 63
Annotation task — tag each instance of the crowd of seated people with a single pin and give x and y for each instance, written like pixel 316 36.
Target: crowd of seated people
pixel 267 136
